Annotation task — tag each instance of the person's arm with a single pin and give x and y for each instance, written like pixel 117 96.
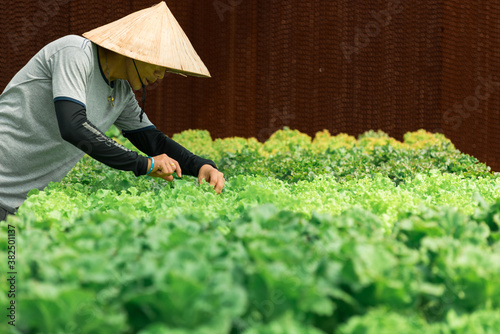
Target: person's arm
pixel 153 142
pixel 76 129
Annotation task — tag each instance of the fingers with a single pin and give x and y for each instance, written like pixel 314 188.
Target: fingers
pixel 165 176
pixel 165 166
pixel 169 166
pixel 204 173
pixel 214 178
pixel 219 184
pixel 178 170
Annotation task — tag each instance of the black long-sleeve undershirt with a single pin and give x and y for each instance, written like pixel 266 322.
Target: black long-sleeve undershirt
pixel 79 131
pixel 76 129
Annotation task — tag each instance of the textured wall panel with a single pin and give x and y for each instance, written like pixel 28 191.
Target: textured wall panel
pixel 471 78
pixel 347 66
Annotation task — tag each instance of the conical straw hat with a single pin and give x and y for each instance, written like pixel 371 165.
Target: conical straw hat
pixel 154 36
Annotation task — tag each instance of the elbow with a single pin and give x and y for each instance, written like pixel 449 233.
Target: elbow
pixel 65 134
pixel 69 134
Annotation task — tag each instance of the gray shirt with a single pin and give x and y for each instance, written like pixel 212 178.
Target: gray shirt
pixel 32 152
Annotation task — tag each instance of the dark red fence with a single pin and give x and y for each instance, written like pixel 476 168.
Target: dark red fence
pixel 346 66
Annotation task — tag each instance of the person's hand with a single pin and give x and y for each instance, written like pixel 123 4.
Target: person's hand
pixel 165 167
pixel 212 176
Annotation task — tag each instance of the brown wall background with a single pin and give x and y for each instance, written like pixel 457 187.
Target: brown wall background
pixel 346 66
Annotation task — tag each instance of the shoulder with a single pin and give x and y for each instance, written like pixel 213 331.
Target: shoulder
pixel 72 41
pixel 69 49
pixel 71 46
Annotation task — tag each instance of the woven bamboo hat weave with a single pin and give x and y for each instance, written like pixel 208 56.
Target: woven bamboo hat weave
pixel 154 36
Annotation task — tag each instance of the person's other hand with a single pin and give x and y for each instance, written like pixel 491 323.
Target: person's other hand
pixel 212 176
pixel 165 167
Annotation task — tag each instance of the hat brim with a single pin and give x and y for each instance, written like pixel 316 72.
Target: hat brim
pixel 153 36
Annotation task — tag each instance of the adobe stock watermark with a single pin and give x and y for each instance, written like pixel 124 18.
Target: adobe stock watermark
pixel 46 10
pixel 278 120
pixel 266 309
pixel 372 29
pixel 223 6
pixel 472 103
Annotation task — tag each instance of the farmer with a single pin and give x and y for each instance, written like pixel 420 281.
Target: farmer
pixel 57 108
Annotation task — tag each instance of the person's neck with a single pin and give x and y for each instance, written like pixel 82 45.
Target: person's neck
pixel 114 66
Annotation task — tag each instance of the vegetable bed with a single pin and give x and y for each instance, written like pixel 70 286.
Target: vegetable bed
pixel 331 234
